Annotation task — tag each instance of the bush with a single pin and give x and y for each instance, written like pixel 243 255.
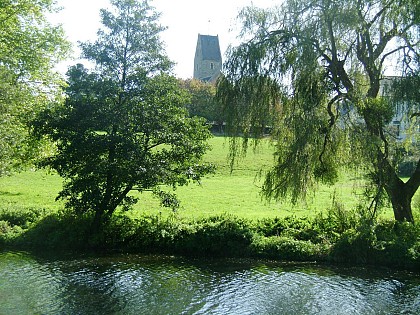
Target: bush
pixel 333 237
pixel 284 248
pixel 21 216
pixel 336 220
pixel 153 234
pixel 389 243
pixel 8 232
pixel 120 232
pixel 299 228
pixel 58 231
pixel 352 246
pixel 397 243
pixel 14 221
pixel 216 236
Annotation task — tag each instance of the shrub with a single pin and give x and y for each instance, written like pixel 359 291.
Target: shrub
pixel 153 234
pixel 388 243
pixel 213 236
pixel 336 220
pixel 293 227
pixel 21 216
pixel 352 246
pixel 332 237
pixel 218 236
pixel 61 230
pixel 397 243
pixel 8 232
pixel 284 248
pixel 118 233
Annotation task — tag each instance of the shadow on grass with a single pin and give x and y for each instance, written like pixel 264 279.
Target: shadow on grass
pixel 9 194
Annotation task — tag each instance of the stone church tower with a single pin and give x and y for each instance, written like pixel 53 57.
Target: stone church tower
pixel 208 59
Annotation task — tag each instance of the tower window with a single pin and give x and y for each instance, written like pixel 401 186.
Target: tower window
pixel 212 66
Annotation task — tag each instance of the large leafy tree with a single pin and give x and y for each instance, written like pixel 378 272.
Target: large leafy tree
pixel 123 125
pixel 313 70
pixel 29 49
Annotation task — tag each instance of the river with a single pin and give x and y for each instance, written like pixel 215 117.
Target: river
pixel 141 284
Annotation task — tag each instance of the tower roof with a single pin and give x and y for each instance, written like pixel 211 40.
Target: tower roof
pixel 210 48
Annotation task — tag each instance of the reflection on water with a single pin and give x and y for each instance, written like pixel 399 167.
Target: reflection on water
pixel 130 284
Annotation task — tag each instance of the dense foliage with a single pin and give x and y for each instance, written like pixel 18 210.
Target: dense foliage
pixel 123 125
pixel 203 102
pixel 29 49
pixel 336 236
pixel 313 71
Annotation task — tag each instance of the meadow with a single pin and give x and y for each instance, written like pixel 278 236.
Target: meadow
pixel 235 192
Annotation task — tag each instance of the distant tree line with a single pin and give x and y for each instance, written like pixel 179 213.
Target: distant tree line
pixel 204 103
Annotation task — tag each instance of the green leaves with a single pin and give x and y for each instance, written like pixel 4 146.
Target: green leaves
pixel 29 48
pixel 312 72
pixel 29 45
pixel 123 125
pixel 203 102
pixel 129 42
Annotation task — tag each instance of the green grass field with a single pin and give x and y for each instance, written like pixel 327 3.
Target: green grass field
pixel 234 193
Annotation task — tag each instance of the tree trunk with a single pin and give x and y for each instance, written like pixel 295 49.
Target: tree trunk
pixel 401 204
pixel 104 213
pixel 400 193
pixel 97 221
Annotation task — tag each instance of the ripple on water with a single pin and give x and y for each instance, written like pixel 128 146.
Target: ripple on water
pixel 26 286
pixel 162 285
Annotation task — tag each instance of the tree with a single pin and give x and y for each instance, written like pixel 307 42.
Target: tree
pixel 314 71
pixel 203 102
pixel 123 125
pixel 29 49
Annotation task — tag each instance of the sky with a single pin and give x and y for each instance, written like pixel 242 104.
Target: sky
pixel 185 19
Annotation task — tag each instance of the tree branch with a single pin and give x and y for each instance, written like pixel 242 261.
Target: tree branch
pixel 390 53
pixel 414 182
pixel 331 123
pixel 380 12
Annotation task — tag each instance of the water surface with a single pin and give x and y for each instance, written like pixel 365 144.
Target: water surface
pixel 134 284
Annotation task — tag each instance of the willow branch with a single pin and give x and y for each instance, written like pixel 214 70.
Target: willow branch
pixel 331 124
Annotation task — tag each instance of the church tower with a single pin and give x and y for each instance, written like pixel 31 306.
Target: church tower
pixel 208 59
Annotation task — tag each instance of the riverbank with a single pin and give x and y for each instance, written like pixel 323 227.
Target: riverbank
pixel 224 217
pixel 328 238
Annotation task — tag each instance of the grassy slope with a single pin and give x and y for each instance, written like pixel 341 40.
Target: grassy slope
pixel 36 189
pixel 238 193
pixel 224 192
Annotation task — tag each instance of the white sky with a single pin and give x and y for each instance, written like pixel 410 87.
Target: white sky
pixel 185 19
